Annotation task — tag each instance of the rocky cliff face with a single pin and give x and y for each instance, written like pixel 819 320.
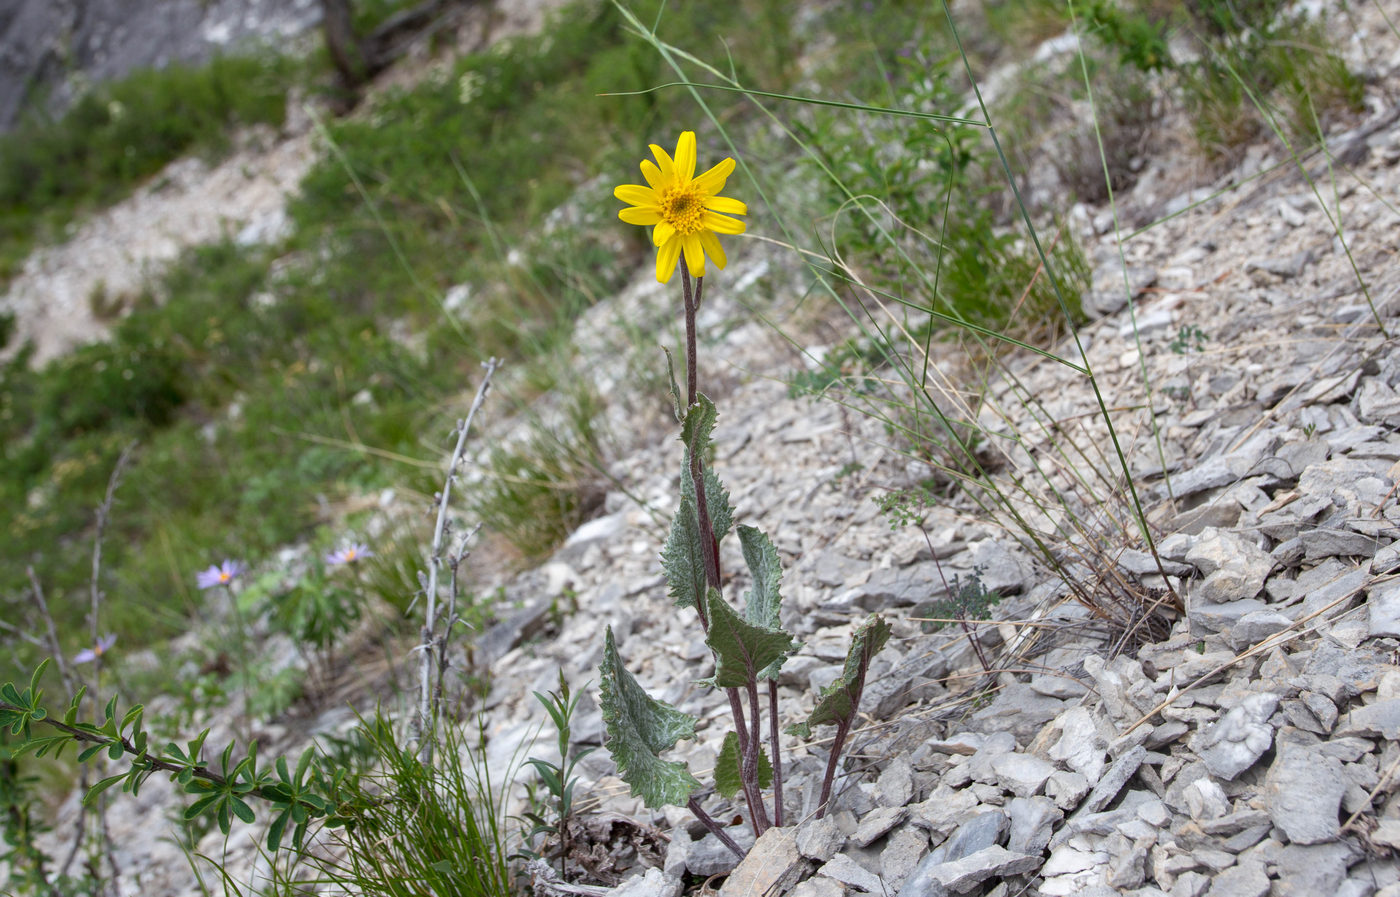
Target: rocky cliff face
pixel 51 48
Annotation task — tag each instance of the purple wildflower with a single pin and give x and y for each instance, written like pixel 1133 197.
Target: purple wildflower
pixel 104 644
pixel 220 574
pixel 349 555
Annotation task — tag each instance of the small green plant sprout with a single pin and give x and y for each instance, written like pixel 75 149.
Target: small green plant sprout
pixel 558 778
pixel 968 603
pixel 1190 338
pixel 749 648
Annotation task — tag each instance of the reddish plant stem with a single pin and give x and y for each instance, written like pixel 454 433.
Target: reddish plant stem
pixel 843 728
pixel 750 772
pixel 777 758
pixel 709 822
pixel 749 738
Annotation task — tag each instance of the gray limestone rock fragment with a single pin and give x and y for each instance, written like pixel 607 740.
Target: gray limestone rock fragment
pixel 1066 789
pixel 1303 794
pixel 819 886
pixel 1114 778
pixel 709 856
pixel 1033 819
pixel 1240 737
pixel 1378 720
pixel 1284 266
pixel 820 839
pixel 1383 608
pixel 962 875
pixel 1208 616
pixel 1080 746
pixel 981 831
pixel 1128 866
pixel 1256 626
pixel 1354 672
pixel 849 872
pixel 1326 542
pixel 1017 709
pixel 1190 884
pixel 877 823
pixel 979 766
pixel 902 853
pixel 773 865
pixel 1023 775
pixel 652 883
pixel 895 786
pixel 1312 871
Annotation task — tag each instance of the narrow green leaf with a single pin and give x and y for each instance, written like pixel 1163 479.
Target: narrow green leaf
pixel 242 810
pixel 274 831
pixel 639 729
pixel 676 400
pixel 717 503
pixel 838 701
pixel 34 680
pixel 100 787
pixel 87 752
pixel 743 649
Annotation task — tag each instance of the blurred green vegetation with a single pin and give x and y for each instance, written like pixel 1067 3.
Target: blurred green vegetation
pixel 266 387
pixel 119 134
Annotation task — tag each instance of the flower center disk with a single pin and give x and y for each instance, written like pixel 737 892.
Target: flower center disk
pixel 683 209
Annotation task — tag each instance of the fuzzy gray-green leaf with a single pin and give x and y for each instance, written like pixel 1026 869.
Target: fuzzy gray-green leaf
pixel 743 649
pixel 838 701
pixel 639 729
pixel 762 602
pixel 729 779
pixel 682 557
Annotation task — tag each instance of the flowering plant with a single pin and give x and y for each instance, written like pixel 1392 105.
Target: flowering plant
pixel 749 648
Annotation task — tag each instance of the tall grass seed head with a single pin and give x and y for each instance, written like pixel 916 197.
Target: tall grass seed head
pixel 686 212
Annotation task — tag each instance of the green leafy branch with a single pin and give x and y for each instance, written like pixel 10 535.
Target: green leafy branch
pixel 295 798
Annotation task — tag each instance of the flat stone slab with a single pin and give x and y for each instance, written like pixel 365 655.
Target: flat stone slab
pixel 961 876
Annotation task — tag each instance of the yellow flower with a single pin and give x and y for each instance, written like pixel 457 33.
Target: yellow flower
pixel 686 210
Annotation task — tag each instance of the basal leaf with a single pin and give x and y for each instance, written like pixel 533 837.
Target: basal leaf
pixel 743 649
pixel 839 700
pixel 639 729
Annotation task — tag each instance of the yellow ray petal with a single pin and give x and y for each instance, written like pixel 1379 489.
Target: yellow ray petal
pixel 668 168
pixel 637 195
pixel 662 233
pixel 651 173
pixel 712 181
pixel 710 243
pixel 726 205
pixel 666 259
pixel 634 215
pixel 694 255
pixel 685 156
pixel 721 224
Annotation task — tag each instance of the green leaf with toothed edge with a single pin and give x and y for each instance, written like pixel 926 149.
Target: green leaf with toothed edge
pixel 729 779
pixel 743 649
pixel 838 701
pixel 682 557
pixel 639 729
pixel 762 602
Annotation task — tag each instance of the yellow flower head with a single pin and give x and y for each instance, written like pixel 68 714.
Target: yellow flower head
pixel 687 211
